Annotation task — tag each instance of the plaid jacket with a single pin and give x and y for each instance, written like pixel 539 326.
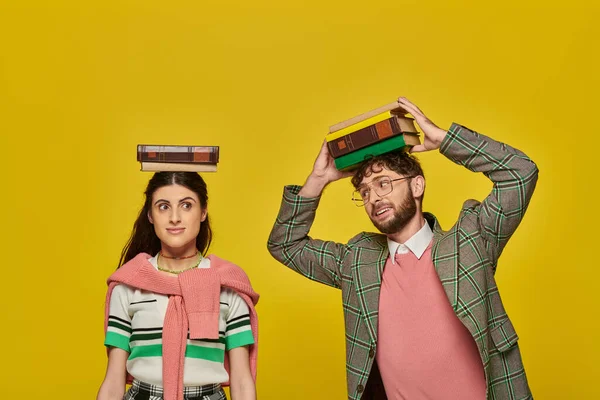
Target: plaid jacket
pixel 465 258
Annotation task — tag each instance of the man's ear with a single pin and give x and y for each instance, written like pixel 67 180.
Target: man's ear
pixel 418 186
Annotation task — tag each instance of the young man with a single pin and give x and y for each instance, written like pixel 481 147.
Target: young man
pixel 423 316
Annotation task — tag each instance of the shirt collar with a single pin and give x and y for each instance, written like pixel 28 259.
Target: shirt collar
pixel 205 263
pixel 418 243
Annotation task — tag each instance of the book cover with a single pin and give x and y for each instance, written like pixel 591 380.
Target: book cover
pixel 366 119
pixel 360 125
pixel 178 154
pixel 177 167
pixel 371 134
pixel 351 160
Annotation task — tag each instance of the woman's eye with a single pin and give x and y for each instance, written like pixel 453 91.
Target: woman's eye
pixel 163 207
pixel 186 205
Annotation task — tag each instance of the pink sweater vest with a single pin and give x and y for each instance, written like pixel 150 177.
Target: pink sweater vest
pixel 424 351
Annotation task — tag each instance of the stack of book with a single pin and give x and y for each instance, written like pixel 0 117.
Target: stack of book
pixel 178 158
pixel 376 132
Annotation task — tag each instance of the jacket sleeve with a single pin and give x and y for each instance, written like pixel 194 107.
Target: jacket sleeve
pixel 514 177
pixel 290 244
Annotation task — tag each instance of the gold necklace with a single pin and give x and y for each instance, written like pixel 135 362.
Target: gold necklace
pixel 179 258
pixel 171 271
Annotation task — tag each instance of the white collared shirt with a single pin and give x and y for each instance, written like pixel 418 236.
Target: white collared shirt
pixel 204 263
pixel 417 243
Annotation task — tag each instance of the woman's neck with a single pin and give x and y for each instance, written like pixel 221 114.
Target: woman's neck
pixel 178 259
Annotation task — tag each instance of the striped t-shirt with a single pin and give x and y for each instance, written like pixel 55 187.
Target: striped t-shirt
pixel 135 325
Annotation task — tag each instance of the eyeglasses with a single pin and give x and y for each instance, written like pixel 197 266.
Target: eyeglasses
pixel 381 185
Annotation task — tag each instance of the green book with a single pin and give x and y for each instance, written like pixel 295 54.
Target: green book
pixel 351 160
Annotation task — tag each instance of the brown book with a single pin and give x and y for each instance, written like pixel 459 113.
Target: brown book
pixel 396 125
pixel 178 154
pixel 177 167
pixel 392 108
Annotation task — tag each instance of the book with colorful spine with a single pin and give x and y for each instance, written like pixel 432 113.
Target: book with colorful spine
pixel 178 158
pixel 376 132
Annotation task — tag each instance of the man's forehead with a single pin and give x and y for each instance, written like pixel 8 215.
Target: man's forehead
pixel 377 173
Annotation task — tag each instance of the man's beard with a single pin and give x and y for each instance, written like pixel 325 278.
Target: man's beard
pixel 405 213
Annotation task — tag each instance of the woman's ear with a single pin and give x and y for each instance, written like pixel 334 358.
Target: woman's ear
pixel 204 214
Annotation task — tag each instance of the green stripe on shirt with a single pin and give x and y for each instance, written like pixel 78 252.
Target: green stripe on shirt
pixel 153 350
pixel 238 324
pixel 119 326
pixel 205 353
pixel 239 339
pixel 191 351
pixel 116 340
pixel 145 336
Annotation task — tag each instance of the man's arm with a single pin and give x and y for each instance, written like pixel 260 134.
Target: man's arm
pixel 513 174
pixel 289 242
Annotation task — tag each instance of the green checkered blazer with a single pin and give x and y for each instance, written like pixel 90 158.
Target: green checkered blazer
pixel 465 258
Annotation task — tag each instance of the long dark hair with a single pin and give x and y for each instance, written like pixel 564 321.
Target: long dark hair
pixel 143 238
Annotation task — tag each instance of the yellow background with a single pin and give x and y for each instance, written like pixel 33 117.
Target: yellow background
pixel 81 83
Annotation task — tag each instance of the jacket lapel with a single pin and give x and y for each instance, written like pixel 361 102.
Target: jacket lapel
pixel 444 254
pixel 367 269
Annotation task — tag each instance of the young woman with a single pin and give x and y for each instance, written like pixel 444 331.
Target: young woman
pixel 179 325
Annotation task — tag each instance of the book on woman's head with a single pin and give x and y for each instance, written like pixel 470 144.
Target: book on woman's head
pixel 178 158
